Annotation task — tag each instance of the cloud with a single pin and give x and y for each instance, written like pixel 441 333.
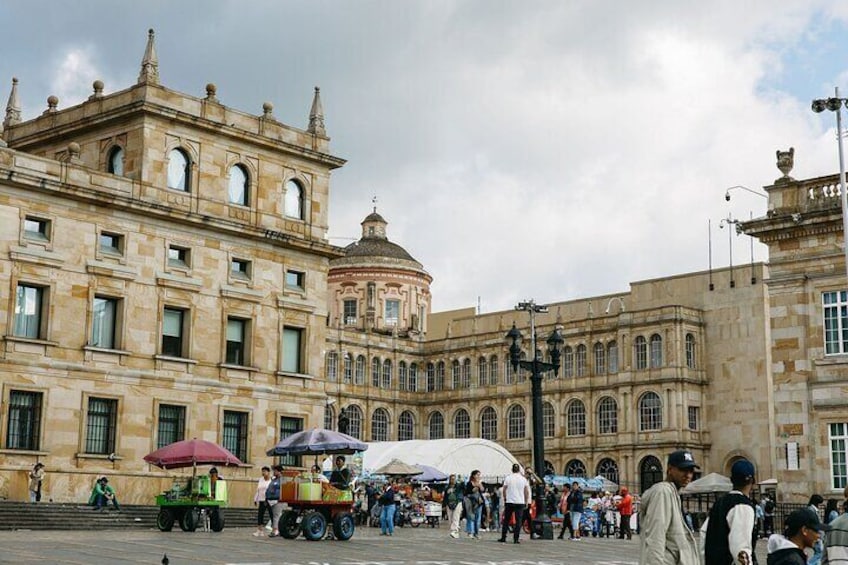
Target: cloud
pixel 72 79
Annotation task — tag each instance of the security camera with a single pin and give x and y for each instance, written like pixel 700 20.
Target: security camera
pixel 727 196
pixel 819 106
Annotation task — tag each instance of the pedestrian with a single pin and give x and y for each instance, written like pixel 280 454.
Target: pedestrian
pixel 473 502
pixel 260 502
pixel 803 530
pixel 102 494
pixel 666 539
pixel 496 509
pixel 453 503
pixel 533 480
pixel 36 479
pixel 272 498
pixel 575 509
pixel 566 517
pixel 515 494
pixel 387 514
pixel 831 511
pixel 729 534
pixel 816 500
pixel 768 516
pixel 836 543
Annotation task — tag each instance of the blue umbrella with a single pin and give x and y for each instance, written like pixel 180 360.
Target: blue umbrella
pixel 430 474
pixel 316 441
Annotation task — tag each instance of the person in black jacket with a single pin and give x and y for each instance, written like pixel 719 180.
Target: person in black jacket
pixel 803 530
pixel 730 533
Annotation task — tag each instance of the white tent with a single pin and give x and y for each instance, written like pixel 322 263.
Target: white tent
pixel 712 482
pixel 451 456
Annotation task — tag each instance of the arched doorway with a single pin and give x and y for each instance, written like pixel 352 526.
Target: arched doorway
pixel 650 473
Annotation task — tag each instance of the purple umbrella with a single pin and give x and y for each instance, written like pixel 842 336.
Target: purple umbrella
pixel 430 474
pixel 316 441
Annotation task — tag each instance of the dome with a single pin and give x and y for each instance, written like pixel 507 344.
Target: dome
pixel 377 247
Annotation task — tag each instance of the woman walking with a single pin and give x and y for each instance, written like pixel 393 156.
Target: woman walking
pixel 262 504
pixel 473 504
pixel 36 478
pixel 387 512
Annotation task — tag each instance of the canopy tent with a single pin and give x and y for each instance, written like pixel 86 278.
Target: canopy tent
pixel 713 482
pixel 451 456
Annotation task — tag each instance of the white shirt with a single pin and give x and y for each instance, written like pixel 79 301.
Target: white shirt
pixel 516 489
pixel 741 520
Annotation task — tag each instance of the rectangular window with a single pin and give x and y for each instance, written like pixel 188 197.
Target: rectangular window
pixel 37 229
pixel 295 280
pixel 179 257
pixel 111 243
pixel 173 329
pixel 29 312
pixel 104 323
pixel 392 312
pixel 236 341
pixel 350 317
pixel 290 426
pixel 100 425
pixel 171 425
pixel 694 417
pixel 835 305
pixel 292 350
pixel 240 269
pixel 839 468
pixel 23 429
pixel 235 433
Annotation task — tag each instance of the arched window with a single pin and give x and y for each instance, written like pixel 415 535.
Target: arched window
pixel 466 373
pixel 640 345
pixel 575 468
pixel 600 358
pixel 650 412
pixel 580 361
pixel 380 425
pixel 607 416
pixel 332 366
pixel 568 362
pixel 650 472
pixel 522 374
pixel 489 424
pixel 482 371
pixel 656 351
pixel 387 374
pixel 237 189
pixel 406 426
pixel 359 372
pixel 612 357
pixel 294 200
pixel 608 469
pixel 412 384
pixel 431 377
pixel 516 422
pixel 575 418
pixel 440 376
pixel 115 161
pixel 548 419
pixel 509 374
pixel 690 351
pixel 402 375
pixel 375 372
pixel 354 421
pixel 329 418
pixel 549 468
pixel 348 368
pixel 178 170
pixel 493 370
pixel 456 370
pixel 436 426
pixel 461 424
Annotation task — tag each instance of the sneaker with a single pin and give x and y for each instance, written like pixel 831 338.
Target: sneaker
pixel 476 536
pixel 257 534
pixel 454 535
pixel 470 536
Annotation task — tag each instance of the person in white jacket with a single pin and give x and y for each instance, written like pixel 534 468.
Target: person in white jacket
pixel 729 535
pixel 666 539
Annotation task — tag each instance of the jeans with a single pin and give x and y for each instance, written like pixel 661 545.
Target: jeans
pixel 472 520
pixel 818 550
pixel 575 522
pixel 516 510
pixel 387 519
pixel 100 501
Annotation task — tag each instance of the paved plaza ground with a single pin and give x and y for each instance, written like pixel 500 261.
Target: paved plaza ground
pixel 420 546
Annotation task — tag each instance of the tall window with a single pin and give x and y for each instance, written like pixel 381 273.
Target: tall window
pixel 580 361
pixel 392 312
pixel 466 373
pixel 354 418
pixel 387 374
pixel 290 426
pixel 462 425
pixel 493 370
pixel 509 374
pixel 575 468
pixel 115 162
pixel 612 356
pixel 482 371
pixel 690 351
pixel 234 434
pixel 600 358
pixel 548 419
pixel 516 422
pixel 835 305
pixel 406 426
pixel 431 377
pixel 607 416
pixel 440 375
pixel 237 331
pixel 294 200
pixel 489 424
pixel 650 412
pixel 568 362
pixel 656 351
pixel 694 417
pixel 23 427
pixel 402 375
pixel 329 418
pixel 359 370
pixel 348 368
pixel 375 372
pixel 104 322
pixel 30 305
pixel 436 426
pixel 608 469
pixel 576 418
pixel 838 434
pixel 380 425
pixel 640 345
pixel 101 422
pixel 349 312
pixel 332 365
pixel 456 374
pixel 293 350
pixel 650 472
pixel 178 170
pixel 412 385
pixel 238 187
pixel 171 426
pixel 173 328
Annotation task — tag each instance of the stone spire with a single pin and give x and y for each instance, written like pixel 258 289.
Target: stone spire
pixel 150 63
pixel 13 107
pixel 316 115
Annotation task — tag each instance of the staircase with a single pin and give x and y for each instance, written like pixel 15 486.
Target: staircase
pixel 55 516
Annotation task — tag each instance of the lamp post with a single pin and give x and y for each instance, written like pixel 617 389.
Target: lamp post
pixel 541 525
pixel 835 105
pixel 742 187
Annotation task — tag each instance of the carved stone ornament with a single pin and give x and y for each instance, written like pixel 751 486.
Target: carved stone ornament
pixel 785 161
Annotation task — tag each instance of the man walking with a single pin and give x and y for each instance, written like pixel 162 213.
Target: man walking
pixel 729 534
pixel 666 539
pixel 516 496
pixel 453 501
pixel 625 509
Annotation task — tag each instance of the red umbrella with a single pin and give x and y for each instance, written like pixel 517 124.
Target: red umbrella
pixel 192 452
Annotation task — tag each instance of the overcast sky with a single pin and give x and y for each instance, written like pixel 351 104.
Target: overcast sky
pixel 524 149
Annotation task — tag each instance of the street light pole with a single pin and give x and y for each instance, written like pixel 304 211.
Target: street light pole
pixel 541 525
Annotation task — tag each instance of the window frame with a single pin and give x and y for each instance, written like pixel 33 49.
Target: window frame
pixel 42 311
pixel 245 343
pixel 837 435
pixel 656 349
pixel 607 416
pixel 691 353
pixel 44 233
pixel 575 418
pixel 548 420
pixel 640 350
pixel 115 151
pixel 391 317
pixel 110 434
pixel 186 178
pixel 489 423
pixel 406 426
pixel 461 424
pixel 298 367
pixel 287 426
pixel 298 198
pixel 27 433
pixel 354 419
pixel 295 280
pixel 650 417
pixel 181 346
pixel 242 432
pixel 116 250
pixel 834 322
pixel 436 422
pixel 116 330
pixel 244 188
pixel 183 259
pixel 178 421
pixel 244 270
pixel 516 418
pixel 350 319
pixel 380 424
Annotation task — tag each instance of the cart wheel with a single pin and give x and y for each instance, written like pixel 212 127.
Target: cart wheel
pixel 289 528
pixel 188 521
pixel 216 519
pixel 314 525
pixel 165 520
pixel 343 526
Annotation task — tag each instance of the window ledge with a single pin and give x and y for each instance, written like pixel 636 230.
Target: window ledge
pixel 38 256
pixel 185 283
pixel 31 340
pixel 831 360
pixel 111 270
pixel 96 349
pixel 243 293
pixel 24 452
pixel 175 359
pixel 110 457
pixel 239 367
pixel 288 374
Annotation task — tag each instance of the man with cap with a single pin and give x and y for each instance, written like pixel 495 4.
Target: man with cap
pixel 666 539
pixel 802 530
pixel 729 535
pixel 836 544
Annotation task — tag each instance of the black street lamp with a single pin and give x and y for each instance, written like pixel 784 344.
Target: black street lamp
pixel 542 526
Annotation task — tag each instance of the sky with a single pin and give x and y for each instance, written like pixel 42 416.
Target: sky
pixel 518 149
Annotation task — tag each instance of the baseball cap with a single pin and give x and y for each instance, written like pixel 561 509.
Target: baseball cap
pixel 742 469
pixel 805 517
pixel 682 459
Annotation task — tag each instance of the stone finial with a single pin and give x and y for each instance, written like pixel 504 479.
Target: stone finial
pixel 98 90
pixel 316 115
pixel 785 162
pixel 13 107
pixel 268 111
pixel 52 103
pixel 211 90
pixel 74 153
pixel 150 62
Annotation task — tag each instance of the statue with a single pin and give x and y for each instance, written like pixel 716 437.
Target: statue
pixel 785 162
